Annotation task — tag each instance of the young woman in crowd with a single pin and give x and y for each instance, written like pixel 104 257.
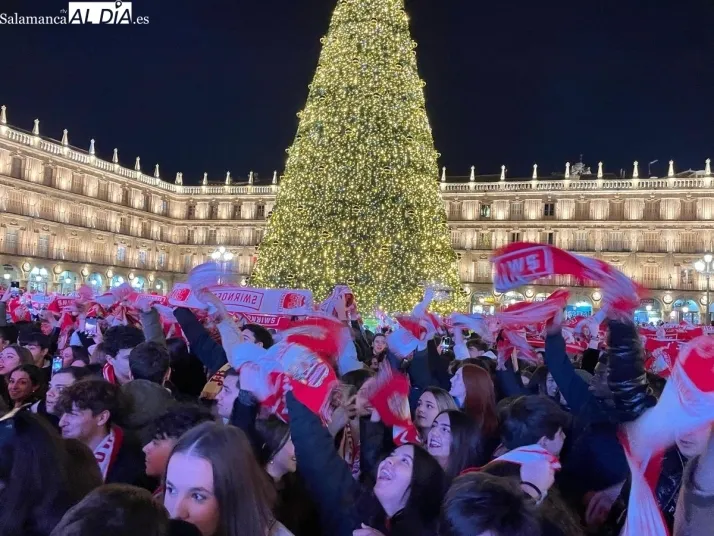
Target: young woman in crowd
pixel 473 390
pixel 455 441
pixel 542 383
pixel 379 351
pixel 214 482
pixel 25 385
pixel 275 452
pixel 10 358
pixel 74 356
pixel 168 428
pixel 433 401
pixel 404 500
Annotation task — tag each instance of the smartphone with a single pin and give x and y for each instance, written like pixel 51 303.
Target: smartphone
pixel 90 326
pixel 56 364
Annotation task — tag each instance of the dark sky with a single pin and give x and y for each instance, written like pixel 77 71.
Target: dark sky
pixel 213 85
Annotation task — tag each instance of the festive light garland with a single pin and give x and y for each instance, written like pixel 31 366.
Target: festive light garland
pixel 359 202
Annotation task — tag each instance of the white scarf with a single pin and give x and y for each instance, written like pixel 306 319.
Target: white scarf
pixel 104 453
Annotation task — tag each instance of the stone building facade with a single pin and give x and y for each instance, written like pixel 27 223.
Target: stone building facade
pixel 68 217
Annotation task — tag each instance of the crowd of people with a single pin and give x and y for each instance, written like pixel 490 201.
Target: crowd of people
pixel 125 432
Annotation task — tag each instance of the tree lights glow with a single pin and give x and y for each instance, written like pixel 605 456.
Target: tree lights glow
pixel 359 202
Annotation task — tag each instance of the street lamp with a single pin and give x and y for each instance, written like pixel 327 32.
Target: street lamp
pixel 705 267
pixel 222 255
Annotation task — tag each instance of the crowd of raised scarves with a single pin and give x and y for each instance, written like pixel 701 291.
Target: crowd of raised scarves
pixel 302 371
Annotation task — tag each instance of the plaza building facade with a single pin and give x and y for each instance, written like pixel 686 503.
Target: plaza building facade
pixel 68 217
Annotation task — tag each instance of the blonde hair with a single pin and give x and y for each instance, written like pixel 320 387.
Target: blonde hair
pixel 444 401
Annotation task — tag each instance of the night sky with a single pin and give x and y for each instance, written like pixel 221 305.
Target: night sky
pixel 214 85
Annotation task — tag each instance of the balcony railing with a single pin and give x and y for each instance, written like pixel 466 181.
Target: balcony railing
pixel 75 155
pixel 552 185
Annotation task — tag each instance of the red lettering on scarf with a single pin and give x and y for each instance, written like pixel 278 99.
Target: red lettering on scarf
pixel 524 265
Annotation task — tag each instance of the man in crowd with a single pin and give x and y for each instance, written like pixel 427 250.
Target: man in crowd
pixel 228 394
pixel 88 410
pixel 146 394
pixel 486 505
pixel 119 341
pixel 39 346
pixel 531 420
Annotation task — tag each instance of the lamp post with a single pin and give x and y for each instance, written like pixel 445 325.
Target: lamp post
pixel 222 255
pixel 705 267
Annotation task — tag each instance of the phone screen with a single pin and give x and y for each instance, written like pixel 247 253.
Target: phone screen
pixel 56 364
pixel 90 326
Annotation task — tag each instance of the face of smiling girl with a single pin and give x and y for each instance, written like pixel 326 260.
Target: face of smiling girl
pixel 394 477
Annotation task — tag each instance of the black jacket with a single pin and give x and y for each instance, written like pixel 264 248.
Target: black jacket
pixel 628 382
pixel 211 354
pixel 129 466
pixel 294 508
pixel 344 503
pixel 592 458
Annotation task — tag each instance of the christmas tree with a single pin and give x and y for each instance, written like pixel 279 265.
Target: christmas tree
pixel 359 202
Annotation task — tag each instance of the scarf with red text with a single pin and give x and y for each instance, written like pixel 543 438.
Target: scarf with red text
pixel 107 451
pixel 521 263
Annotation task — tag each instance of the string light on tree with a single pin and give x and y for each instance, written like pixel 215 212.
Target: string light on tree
pixel 359 201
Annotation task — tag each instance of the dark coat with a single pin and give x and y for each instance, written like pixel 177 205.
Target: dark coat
pixel 146 401
pixel 211 354
pixel 344 503
pixel 592 458
pixel 627 379
pixel 130 466
pixel 294 508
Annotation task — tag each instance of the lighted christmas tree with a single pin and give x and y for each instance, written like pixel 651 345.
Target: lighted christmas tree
pixel 359 201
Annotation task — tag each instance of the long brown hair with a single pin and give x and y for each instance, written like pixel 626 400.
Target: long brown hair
pixel 480 401
pixel 245 495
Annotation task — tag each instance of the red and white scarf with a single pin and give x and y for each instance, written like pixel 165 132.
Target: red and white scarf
pixel 686 405
pixel 521 263
pixel 271 308
pixel 526 455
pixel 349 450
pixel 303 362
pixel 109 374
pixel 512 323
pixel 108 449
pixel 389 396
